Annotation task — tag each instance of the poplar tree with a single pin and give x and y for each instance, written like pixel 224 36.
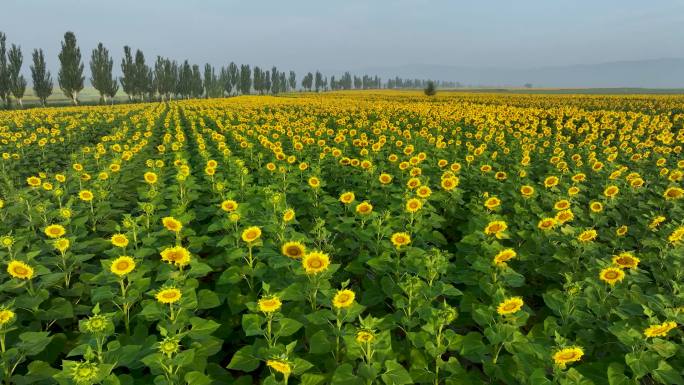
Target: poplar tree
pixel 16 79
pixel 70 75
pixel 42 81
pixel 245 79
pixel 128 71
pixel 101 65
pixel 234 76
pixel 293 80
pixel 4 72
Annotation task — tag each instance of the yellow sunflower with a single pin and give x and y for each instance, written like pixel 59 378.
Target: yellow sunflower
pixel 660 330
pixel 343 299
pixel 626 260
pixel 673 193
pixel 364 208
pixel 55 231
pixel 150 177
pixel 251 234
pixel 18 269
pixel 413 205
pixel 172 224
pixel 567 355
pixel 119 240
pixel 587 235
pixel 6 316
pixel 269 304
pixel 612 275
pixel 503 256
pixel 229 205
pixel 122 265
pixel 293 249
pixel 400 239
pixel 510 306
pixel 177 255
pixel 492 203
pixel 86 195
pixel 315 262
pixel 495 228
pixel 168 295
pixel 280 366
pixel 347 197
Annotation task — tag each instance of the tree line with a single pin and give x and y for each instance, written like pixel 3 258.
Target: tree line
pixel 165 78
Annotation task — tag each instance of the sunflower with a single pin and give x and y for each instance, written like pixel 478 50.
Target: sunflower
pixel 660 330
pixel 314 182
pixel 364 208
pixel 611 191
pixel 587 235
pixel 503 256
pixel 172 224
pixel 450 183
pixel 495 228
pixel 561 205
pixel 527 191
pixel 385 178
pixel 55 231
pixel 343 299
pixel 551 181
pixel 33 181
pixel 86 195
pixel 626 260
pixel 574 190
pixel 168 295
pixel 150 177
pixel 596 207
pixel 612 275
pixel 546 224
pixel 122 265
pixel 61 244
pixel 315 262
pixel 280 366
pixel 293 249
pixel 85 372
pixel 673 193
pixel 119 240
pixel 177 255
pixel 424 192
pixel 229 205
pixel 400 239
pixel 510 306
pixel 269 304
pixel 492 203
pixel 676 236
pixel 288 215
pixel 6 316
pixel 18 269
pixel 251 234
pixel 564 216
pixel 364 336
pixel 621 231
pixel 567 355
pixel 413 205
pixel 347 197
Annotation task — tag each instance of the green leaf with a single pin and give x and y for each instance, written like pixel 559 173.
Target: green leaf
pixel 667 374
pixel 319 343
pixel 288 327
pixel 202 327
pixel 616 375
pixel 33 343
pixel 197 378
pixel 344 375
pixel 251 324
pixel 244 360
pixel 312 379
pixel 395 374
pixel 207 299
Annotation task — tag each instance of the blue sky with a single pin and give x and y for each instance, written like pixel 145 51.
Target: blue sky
pixel 354 34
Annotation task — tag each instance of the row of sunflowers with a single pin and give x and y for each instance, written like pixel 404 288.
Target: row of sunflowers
pixel 346 238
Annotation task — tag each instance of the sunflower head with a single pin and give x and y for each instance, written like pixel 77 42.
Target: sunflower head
pixel 122 265
pixel 611 275
pixel 568 355
pixel 400 240
pixel 510 306
pixel 343 299
pixel 229 205
pixel 659 330
pixel 55 231
pixel 168 295
pixel 315 262
pixel 251 234
pixel 119 240
pixel 178 255
pixel 294 250
pixel 20 270
pixel 269 304
pixel 86 195
pixel 172 224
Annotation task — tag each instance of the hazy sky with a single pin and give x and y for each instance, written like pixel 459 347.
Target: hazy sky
pixel 353 34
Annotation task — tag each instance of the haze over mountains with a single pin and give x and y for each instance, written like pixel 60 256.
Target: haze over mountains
pixel 656 73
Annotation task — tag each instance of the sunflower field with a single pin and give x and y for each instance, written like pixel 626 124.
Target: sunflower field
pixel 345 238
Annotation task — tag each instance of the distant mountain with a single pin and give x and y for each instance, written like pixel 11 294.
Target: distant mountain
pixel 657 73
